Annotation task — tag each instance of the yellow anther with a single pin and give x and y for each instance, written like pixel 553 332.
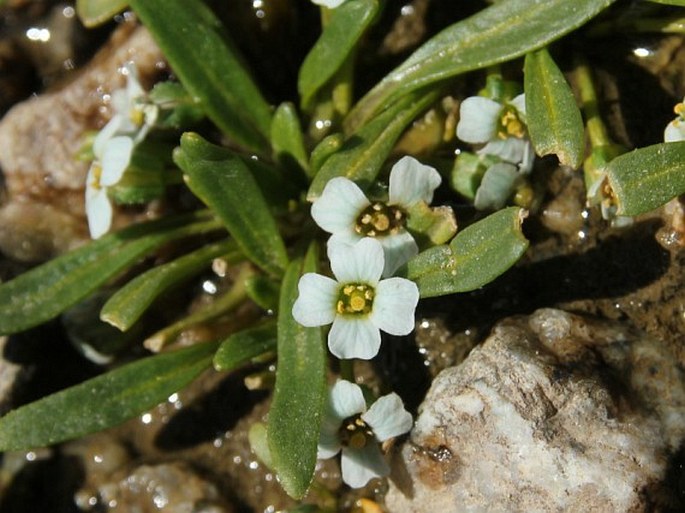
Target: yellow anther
pixel 355 298
pixel 679 109
pixel 379 219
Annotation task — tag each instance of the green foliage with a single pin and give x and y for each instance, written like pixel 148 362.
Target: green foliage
pixel 554 121
pixel 475 257
pixel 645 179
pixel 96 12
pixel 104 401
pixel 286 137
pixel 224 182
pixel 245 345
pixel 206 61
pixel 339 39
pixel 295 415
pixel 44 292
pixel 496 34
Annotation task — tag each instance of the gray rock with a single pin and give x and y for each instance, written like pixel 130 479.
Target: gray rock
pixel 553 413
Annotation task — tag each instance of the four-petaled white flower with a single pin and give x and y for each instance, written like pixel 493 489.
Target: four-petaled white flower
pixel 113 148
pixel 675 130
pixel 349 426
pixel 500 127
pixel 359 303
pixel 345 212
pixel 331 4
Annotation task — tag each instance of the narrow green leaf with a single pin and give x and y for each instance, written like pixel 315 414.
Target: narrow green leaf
pixel 475 257
pixel 45 291
pixel 129 303
pixel 104 401
pixel 223 182
pixel 209 66
pixel 96 12
pixel 680 3
pixel 554 120
pixel 346 25
pixel 499 33
pixel 295 416
pixel 241 347
pixel 645 179
pixel 363 153
pixel 286 136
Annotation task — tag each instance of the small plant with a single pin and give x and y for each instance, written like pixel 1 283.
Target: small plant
pixel 276 199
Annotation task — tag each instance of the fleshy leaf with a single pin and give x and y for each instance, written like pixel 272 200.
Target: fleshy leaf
pixel 96 12
pixel 104 401
pixel 241 347
pixel 645 179
pixel 475 257
pixel 499 33
pixel 45 291
pixel 209 67
pixel 295 415
pixel 129 303
pixel 286 136
pixel 346 25
pixel 363 153
pixel 224 182
pixel 554 120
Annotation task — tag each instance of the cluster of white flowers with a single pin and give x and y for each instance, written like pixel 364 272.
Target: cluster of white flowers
pixel 113 147
pixel 350 427
pixel 369 242
pixel 500 130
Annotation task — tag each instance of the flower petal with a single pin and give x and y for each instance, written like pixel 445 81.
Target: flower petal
pixel 398 248
pixel 98 211
pixel 511 149
pixel 394 306
pixel 331 4
pixel 329 445
pixel 354 337
pixel 359 466
pixel 675 131
pixel 344 400
pixel 388 418
pixel 315 305
pixel 411 182
pixel 497 185
pixel 519 103
pixel 362 262
pixel 105 134
pixel 116 157
pixel 478 119
pixel 339 205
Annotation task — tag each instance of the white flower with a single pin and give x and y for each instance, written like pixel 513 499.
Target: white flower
pixel 104 172
pixel 497 186
pixel 359 303
pixel 675 130
pixel 501 128
pixel 349 426
pixel 331 4
pixel 344 211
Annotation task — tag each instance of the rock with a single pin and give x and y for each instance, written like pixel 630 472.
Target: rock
pixel 553 413
pixel 40 140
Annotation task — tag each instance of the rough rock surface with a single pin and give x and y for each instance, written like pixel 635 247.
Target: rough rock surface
pixel 39 144
pixel 553 413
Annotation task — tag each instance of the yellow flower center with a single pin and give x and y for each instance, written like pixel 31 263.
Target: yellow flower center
pixel 355 298
pixel 355 433
pixel 380 219
pixel 97 175
pixel 137 116
pixel 679 109
pixel 510 124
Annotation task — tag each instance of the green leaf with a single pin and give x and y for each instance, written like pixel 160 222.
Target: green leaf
pixel 363 153
pixel 96 12
pixel 346 25
pixel 499 33
pixel 553 117
pixel 295 415
pixel 475 257
pixel 263 291
pixel 245 345
pixel 104 401
pixel 224 183
pixel 209 66
pixel 286 136
pixel 129 303
pixel 645 179
pixel 680 3
pixel 45 291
